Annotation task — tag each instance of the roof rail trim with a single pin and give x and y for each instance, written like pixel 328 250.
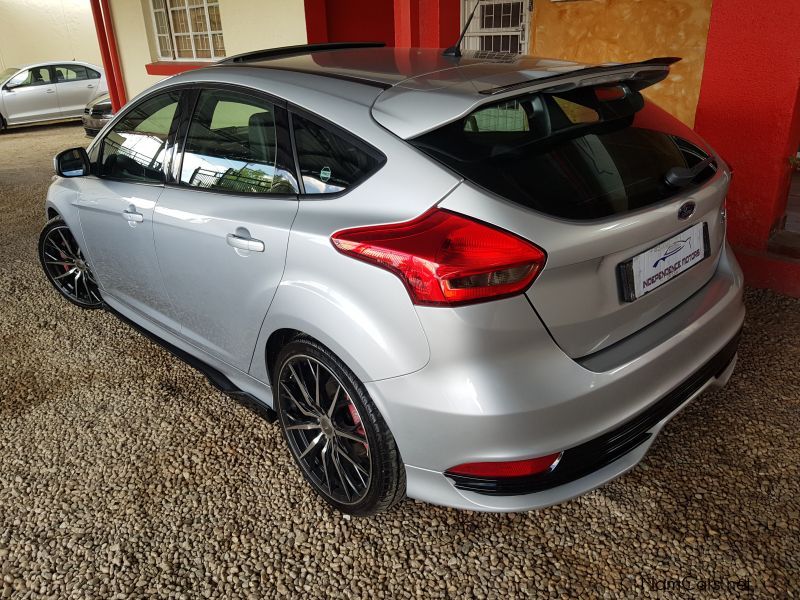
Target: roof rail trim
pixel 268 53
pixel 341 76
pixel 658 66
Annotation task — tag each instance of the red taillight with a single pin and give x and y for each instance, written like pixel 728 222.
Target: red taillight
pixel 500 470
pixel 444 258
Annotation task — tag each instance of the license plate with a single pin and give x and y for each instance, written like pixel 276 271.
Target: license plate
pixel 653 268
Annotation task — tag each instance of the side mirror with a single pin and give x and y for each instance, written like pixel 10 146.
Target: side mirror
pixel 72 163
pixel 10 86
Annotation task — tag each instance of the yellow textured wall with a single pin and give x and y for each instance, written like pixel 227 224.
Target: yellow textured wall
pixel 40 30
pixel 627 30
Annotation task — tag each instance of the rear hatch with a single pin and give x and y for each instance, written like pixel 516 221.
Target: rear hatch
pixel 626 201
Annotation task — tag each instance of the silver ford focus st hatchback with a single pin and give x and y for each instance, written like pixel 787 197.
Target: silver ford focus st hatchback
pixel 485 281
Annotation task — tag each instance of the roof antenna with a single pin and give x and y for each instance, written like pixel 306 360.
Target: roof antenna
pixel 456 50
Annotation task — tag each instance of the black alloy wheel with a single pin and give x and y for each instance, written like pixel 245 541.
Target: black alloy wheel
pixel 66 267
pixel 335 432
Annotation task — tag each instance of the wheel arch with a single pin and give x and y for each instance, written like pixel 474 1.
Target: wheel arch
pixel 373 344
pixel 275 342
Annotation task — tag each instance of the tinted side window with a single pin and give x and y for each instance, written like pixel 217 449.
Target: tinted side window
pixel 330 161
pixel 238 143
pixel 92 73
pixel 34 76
pixel 134 149
pixel 70 73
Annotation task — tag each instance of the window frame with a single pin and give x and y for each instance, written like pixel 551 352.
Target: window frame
pixel 193 99
pixel 96 150
pixel 50 69
pixel 54 68
pixel 179 131
pixel 171 35
pixel 321 121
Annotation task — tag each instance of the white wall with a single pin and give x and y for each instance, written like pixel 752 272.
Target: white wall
pixel 133 46
pixel 246 25
pixel 40 30
pixel 256 24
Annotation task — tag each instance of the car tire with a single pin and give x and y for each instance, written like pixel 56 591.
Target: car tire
pixel 65 267
pixel 354 464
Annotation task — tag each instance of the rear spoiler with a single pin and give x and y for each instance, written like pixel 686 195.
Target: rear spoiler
pixel 637 75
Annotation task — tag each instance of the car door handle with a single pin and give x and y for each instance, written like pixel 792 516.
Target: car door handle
pixel 51 91
pixel 133 216
pixel 244 243
pixel 90 85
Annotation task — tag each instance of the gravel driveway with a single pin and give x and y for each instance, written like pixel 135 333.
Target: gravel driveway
pixel 123 473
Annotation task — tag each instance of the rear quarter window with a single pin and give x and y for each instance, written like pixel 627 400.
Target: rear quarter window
pixel 331 160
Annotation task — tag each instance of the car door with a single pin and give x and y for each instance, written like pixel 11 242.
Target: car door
pixel 31 96
pixel 221 229
pixel 75 88
pixel 116 206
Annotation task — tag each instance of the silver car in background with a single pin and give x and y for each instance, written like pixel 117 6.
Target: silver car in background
pixel 485 281
pixel 52 91
pixel 96 114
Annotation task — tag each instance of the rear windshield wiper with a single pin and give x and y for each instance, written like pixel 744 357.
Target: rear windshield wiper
pixel 683 176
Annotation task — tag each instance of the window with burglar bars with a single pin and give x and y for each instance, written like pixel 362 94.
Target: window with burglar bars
pixel 188 29
pixel 499 26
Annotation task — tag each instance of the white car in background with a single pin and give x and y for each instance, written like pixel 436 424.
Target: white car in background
pixel 51 91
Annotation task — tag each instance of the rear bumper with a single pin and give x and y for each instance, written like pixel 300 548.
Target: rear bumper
pixel 498 388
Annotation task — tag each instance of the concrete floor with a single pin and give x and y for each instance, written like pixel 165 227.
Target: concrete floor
pixel 124 474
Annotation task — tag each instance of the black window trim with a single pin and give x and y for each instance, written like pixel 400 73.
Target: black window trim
pixel 179 130
pixel 299 174
pixel 192 92
pixel 348 136
pixel 170 138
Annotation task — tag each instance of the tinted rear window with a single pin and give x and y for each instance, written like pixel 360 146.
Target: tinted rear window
pixel 580 154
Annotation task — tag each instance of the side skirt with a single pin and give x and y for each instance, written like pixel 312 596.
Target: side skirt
pixel 215 377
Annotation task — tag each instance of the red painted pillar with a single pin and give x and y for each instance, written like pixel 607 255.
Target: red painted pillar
pixel 102 41
pixel 113 54
pixel 749 111
pixel 104 27
pixel 316 21
pixel 426 23
pixel 406 23
pixel 439 23
pixel 402 23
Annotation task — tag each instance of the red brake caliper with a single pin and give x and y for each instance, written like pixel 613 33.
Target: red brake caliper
pixel 356 420
pixel 65 258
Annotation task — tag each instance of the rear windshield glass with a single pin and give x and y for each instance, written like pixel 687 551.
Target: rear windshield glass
pixel 581 154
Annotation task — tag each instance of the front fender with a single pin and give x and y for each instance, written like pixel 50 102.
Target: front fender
pixel 62 198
